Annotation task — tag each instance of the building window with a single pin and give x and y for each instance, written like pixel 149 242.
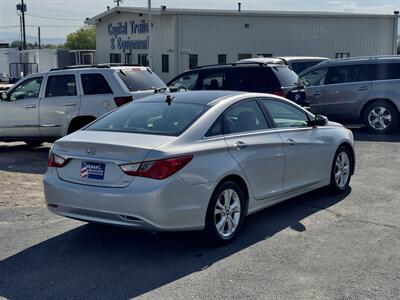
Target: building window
pixel 128 58
pixel 115 58
pixel 265 55
pixel 244 56
pixel 165 63
pixel 142 60
pixel 221 59
pixel 342 55
pixel 193 61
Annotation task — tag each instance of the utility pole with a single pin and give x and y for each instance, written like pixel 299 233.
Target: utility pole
pixel 22 8
pixel 150 35
pixel 38 33
pixel 118 1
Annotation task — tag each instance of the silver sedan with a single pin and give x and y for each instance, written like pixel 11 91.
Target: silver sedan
pixel 195 161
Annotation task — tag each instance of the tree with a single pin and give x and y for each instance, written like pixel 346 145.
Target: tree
pixel 83 38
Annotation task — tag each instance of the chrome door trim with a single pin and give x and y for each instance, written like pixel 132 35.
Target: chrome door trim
pixel 49 125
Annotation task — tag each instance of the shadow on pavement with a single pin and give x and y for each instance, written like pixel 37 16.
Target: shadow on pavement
pixel 20 158
pixel 104 262
pixel 362 135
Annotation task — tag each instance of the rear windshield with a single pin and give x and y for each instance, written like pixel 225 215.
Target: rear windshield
pixel 286 76
pixel 140 80
pixel 299 67
pixel 151 118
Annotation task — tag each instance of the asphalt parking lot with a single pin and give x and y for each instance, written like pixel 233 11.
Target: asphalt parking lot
pixel 317 246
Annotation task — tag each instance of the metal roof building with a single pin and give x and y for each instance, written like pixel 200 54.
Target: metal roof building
pixel 184 38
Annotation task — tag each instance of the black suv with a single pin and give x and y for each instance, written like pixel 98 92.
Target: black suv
pixel 271 78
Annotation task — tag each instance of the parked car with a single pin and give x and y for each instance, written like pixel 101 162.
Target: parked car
pixel 274 78
pixel 297 63
pixel 357 90
pixel 46 106
pixel 195 161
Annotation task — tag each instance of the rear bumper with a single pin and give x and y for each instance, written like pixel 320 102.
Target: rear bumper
pixel 164 205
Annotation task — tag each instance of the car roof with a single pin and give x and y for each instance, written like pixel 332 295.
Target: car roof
pixel 281 59
pixel 238 64
pixel 209 98
pixel 361 59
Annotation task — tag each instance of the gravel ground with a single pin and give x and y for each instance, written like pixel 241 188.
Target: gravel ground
pixel 316 246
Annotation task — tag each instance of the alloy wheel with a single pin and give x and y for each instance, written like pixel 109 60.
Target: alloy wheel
pixel 342 169
pixel 227 212
pixel 379 118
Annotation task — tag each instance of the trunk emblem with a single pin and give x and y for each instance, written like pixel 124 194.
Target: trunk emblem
pixel 91 151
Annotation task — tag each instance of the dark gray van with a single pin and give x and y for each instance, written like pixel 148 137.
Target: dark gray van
pixel 356 90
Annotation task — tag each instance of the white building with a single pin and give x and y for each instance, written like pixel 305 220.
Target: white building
pixel 184 38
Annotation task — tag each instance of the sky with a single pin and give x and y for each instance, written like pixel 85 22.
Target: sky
pixel 65 16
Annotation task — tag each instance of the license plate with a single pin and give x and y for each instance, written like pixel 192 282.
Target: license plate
pixel 92 170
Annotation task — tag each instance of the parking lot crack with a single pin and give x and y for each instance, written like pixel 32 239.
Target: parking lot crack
pixel 351 220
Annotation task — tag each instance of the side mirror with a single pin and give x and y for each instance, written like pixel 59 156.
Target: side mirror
pixel 320 120
pixel 4 96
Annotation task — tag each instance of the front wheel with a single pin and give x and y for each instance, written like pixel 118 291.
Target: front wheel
pixel 225 213
pixel 341 170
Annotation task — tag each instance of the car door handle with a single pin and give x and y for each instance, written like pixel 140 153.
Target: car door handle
pixel 239 145
pixel 363 88
pixel 290 141
pixel 71 104
pixel 317 93
pixel 30 106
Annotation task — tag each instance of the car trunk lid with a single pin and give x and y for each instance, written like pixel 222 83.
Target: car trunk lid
pixel 95 156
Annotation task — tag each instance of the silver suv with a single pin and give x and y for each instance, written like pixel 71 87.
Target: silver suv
pixel 357 90
pixel 46 106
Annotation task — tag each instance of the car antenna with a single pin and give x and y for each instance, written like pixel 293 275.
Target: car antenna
pixel 169 99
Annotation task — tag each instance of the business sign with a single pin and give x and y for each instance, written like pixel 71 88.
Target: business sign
pixel 131 28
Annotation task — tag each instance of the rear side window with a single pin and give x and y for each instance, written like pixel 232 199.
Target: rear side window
pixel 61 85
pixel 94 84
pixel 243 117
pixel 140 79
pixel 215 80
pixel 345 74
pixel 256 79
pixel 286 76
pixel 150 117
pixel 385 71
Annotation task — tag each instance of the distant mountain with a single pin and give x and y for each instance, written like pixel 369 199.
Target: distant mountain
pixel 8 37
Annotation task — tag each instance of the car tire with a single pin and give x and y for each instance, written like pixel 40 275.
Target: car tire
pixel 381 117
pixel 34 144
pixel 223 222
pixel 341 171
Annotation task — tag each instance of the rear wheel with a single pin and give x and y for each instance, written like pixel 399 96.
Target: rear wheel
pixel 341 170
pixel 381 117
pixel 225 213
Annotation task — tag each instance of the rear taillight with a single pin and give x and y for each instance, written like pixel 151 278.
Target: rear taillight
pixel 157 169
pixel 56 161
pixel 119 101
pixel 279 93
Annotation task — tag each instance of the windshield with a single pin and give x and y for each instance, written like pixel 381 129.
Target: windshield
pixel 151 118
pixel 140 79
pixel 185 82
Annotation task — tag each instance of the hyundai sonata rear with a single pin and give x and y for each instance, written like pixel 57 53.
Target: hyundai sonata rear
pixel 198 160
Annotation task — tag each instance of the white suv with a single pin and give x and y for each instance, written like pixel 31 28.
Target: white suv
pixel 46 106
